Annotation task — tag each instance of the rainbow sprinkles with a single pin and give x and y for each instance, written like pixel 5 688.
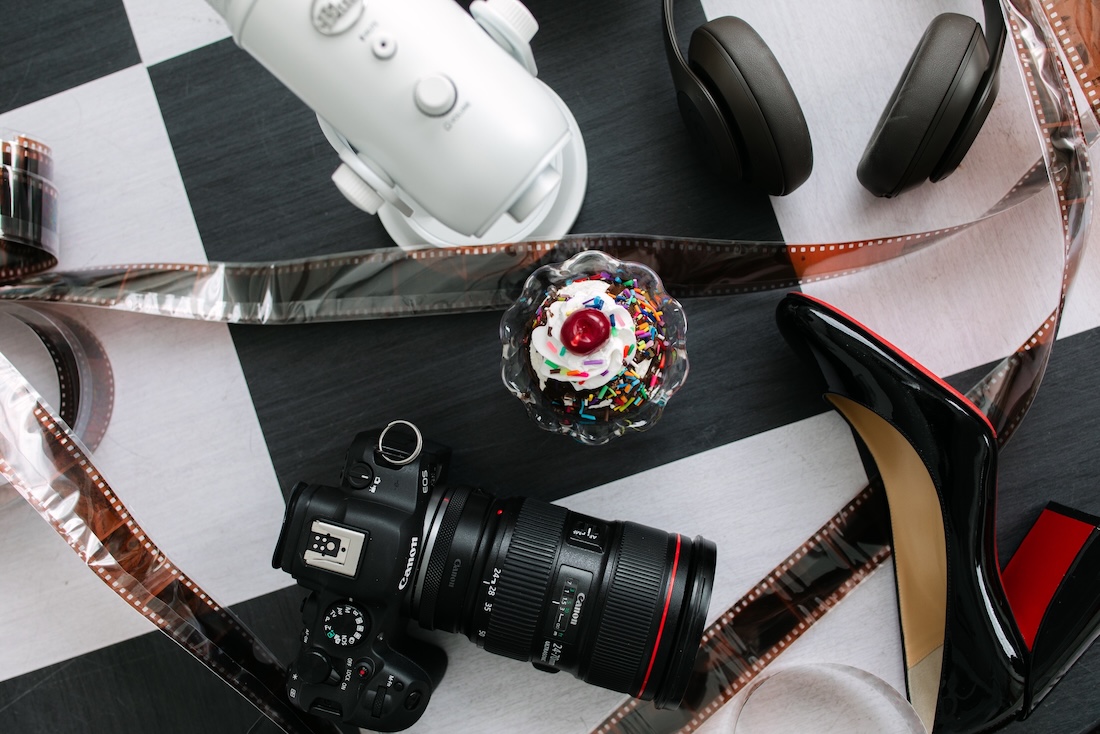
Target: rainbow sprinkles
pixel 618 376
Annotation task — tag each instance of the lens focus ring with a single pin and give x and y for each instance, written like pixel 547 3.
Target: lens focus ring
pixel 525 579
pixel 633 595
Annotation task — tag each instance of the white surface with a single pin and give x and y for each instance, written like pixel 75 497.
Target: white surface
pixel 110 131
pixel 167 28
pixel 184 442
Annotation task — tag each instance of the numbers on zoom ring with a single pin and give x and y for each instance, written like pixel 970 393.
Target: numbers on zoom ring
pixel 490 596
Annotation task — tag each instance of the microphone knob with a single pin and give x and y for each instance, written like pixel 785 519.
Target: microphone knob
pixel 511 25
pixel 356 189
pixel 512 13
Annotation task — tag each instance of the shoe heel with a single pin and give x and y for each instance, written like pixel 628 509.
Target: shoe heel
pixel 1053 587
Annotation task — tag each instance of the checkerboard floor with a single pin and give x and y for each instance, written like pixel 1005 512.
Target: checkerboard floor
pixel 172 144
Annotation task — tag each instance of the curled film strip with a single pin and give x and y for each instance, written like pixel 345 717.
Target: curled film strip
pixel 395 282
pixel 1077 24
pixel 52 470
pixel 28 208
pixel 46 462
pixel 28 243
pixel 830 564
pixel 85 380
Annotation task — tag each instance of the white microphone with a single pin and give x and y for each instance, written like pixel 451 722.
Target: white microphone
pixel 441 126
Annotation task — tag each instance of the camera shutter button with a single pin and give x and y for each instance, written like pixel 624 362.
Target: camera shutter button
pixel 435 95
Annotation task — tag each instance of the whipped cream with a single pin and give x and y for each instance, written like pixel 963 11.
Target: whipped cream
pixel 550 360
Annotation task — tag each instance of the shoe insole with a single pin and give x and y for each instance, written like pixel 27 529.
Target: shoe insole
pixel 920 551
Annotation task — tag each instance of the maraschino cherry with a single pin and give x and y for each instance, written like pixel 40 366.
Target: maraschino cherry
pixel 585 331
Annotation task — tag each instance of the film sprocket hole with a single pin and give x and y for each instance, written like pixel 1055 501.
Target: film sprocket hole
pixel 617 604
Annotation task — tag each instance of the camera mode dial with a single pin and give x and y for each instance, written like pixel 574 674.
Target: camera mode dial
pixel 344 625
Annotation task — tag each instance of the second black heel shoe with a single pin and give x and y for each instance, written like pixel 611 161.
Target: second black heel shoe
pixel 980 649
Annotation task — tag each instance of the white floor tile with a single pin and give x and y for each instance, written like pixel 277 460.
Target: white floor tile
pixel 167 28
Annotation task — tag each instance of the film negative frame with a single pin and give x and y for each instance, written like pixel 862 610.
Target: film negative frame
pixel 489 277
pixel 24 153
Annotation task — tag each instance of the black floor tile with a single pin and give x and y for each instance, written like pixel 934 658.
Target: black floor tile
pixel 48 47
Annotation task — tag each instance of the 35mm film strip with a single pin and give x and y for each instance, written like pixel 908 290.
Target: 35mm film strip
pixel 1076 23
pixel 28 208
pixel 79 503
pixel 390 282
pixel 28 244
pixel 51 468
pixel 85 378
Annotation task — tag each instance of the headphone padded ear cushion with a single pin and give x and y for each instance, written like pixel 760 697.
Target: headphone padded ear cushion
pixel 926 108
pixel 745 77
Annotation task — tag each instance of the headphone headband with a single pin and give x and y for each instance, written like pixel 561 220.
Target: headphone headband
pixel 996 33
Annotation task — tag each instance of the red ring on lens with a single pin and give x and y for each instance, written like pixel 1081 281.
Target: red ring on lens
pixel 664 617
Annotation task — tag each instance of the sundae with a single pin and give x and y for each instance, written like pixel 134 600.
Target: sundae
pixel 594 347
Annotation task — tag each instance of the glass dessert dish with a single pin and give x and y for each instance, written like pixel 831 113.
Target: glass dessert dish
pixel 593 347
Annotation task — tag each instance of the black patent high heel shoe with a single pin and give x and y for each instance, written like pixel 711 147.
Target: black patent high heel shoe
pixel 982 647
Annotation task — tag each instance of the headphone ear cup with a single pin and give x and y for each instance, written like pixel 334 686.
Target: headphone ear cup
pixel 754 94
pixel 927 108
pixel 707 126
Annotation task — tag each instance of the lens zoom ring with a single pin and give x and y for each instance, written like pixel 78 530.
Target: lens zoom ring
pixel 635 590
pixel 524 580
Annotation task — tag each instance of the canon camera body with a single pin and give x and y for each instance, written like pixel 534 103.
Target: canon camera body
pixel 617 604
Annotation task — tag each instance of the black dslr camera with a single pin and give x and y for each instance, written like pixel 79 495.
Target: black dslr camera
pixel 617 604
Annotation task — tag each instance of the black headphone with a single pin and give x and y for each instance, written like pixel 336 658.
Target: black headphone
pixel 742 113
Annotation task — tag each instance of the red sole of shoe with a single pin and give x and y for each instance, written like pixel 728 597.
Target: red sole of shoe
pixel 1035 571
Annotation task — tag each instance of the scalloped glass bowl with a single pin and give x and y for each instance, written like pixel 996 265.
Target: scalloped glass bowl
pixel 515 334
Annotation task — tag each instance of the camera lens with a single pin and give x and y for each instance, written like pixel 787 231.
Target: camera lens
pixel 617 604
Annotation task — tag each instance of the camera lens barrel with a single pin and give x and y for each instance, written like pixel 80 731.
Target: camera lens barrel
pixel 618 604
